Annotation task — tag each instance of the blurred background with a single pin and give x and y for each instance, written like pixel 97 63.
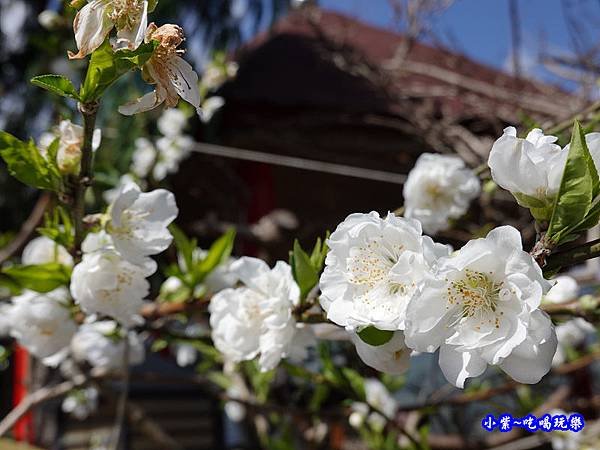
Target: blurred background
pixel 317 109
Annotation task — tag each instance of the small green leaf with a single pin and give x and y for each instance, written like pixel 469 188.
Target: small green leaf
pixel 26 163
pixel 185 247
pixel 39 278
pixel 304 273
pixel 218 253
pixel 374 336
pixel 578 187
pixel 107 66
pixel 56 84
pixel 152 5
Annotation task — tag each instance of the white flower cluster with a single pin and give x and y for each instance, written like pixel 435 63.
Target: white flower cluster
pixel 256 319
pixel 379 399
pixel 162 157
pixel 478 306
pixel 110 280
pixel 439 188
pixel 111 277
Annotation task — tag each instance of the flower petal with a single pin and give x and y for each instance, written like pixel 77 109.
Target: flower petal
pixel 91 26
pixel 145 103
pixel 458 366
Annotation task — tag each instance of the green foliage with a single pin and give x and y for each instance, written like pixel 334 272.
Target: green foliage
pixel 26 163
pixel 40 277
pixel 356 382
pixel 152 4
pixel 540 209
pixel 577 205
pixel 107 66
pixel 374 336
pixel 56 84
pixel 58 226
pixel 193 268
pixel 306 268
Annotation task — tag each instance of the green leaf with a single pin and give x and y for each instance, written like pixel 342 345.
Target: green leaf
pixel 39 278
pixel 26 163
pixel 56 84
pixel 218 253
pixel 58 227
pixel 185 247
pixel 107 66
pixel 374 336
pixel 152 5
pixel 303 271
pixel 578 187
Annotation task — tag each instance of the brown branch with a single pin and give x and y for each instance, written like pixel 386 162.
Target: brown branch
pixel 28 227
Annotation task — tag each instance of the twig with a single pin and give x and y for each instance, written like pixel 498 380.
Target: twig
pixel 40 396
pixel 575 255
pixel 122 401
pixel 151 428
pixel 28 227
pixel 84 180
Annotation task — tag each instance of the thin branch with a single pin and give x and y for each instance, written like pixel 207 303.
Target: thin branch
pixel 573 256
pixel 40 396
pixel 122 401
pixel 28 227
pixel 86 173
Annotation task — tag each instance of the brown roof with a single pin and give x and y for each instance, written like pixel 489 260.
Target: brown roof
pixel 318 58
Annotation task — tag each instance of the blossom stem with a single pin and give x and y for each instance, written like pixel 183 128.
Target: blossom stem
pixel 86 172
pixel 575 255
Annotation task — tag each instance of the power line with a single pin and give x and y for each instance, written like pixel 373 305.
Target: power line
pixel 300 163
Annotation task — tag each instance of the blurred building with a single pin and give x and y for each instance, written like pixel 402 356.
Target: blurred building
pixel 328 114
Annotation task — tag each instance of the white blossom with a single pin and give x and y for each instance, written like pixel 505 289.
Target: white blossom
pixel 70 142
pixel 566 440
pixel 378 398
pixel 81 403
pixel 172 122
pixel 373 268
pixel 102 345
pixel 97 18
pixel 139 222
pixel 110 195
pixel 439 188
pixel 171 151
pixel 185 354
pixel 531 168
pixel 570 334
pixel 144 157
pixel 42 323
pixel 105 283
pixel 481 308
pixel 210 106
pixel 171 74
pixel 43 250
pixel 564 290
pixel 392 357
pixel 256 319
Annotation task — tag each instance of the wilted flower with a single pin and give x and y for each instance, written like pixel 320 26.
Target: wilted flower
pixel 531 168
pixel 171 74
pixel 373 268
pixel 43 250
pixel 481 308
pixel 68 156
pixel 42 323
pixel 139 222
pixel 102 345
pixel 256 318
pixel 94 21
pixel 392 357
pixel 439 188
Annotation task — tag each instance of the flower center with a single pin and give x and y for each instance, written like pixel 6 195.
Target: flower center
pixel 125 13
pixel 478 295
pixel 370 263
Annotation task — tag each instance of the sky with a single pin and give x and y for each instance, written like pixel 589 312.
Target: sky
pixel 481 28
